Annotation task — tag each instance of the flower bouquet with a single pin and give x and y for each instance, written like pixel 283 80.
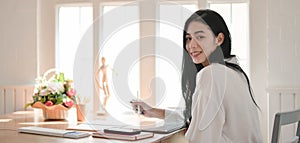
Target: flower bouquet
pixel 55 96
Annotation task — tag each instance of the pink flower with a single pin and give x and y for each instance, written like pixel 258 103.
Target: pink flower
pixel 69 103
pixel 49 103
pixel 71 92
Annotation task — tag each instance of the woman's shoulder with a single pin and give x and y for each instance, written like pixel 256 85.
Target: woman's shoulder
pixel 214 71
pixel 213 68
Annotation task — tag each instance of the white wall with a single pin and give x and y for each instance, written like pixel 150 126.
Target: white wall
pixel 274 50
pixel 283 43
pixel 46 34
pixel 18 36
pixel 258 58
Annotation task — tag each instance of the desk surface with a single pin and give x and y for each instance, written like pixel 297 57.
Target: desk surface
pixel 11 122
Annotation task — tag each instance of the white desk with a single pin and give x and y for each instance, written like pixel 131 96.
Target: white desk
pixel 11 122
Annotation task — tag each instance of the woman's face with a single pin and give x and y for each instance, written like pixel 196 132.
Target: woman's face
pixel 200 42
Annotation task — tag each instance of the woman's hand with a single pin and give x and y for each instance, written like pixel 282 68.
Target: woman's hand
pixel 147 110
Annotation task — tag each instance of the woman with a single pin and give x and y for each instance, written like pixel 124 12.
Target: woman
pixel 219 102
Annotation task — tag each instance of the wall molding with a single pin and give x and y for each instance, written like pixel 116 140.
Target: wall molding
pixel 283 91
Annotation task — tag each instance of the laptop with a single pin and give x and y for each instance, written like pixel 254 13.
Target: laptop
pixel 164 129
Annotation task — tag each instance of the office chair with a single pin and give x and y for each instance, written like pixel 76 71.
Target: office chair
pixel 284 118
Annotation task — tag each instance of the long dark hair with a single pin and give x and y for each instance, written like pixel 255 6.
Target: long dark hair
pixel 189 69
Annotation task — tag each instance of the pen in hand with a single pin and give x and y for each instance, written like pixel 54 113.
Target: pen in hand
pixel 138 106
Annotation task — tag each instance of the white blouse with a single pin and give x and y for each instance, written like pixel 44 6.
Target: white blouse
pixel 222 109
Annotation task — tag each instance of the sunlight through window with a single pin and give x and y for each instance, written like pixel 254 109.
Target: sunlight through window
pixel 73 21
pixel 170 30
pixel 118 31
pixel 236 16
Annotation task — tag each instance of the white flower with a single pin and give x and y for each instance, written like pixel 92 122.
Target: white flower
pixel 44 92
pixel 55 87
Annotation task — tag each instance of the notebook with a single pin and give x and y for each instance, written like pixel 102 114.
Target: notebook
pixel 164 129
pixel 53 132
pixel 142 135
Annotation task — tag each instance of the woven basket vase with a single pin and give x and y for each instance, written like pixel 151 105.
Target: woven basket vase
pixel 55 112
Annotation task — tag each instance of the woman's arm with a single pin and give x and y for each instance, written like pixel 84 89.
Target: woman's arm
pixel 207 110
pixel 147 110
pixel 166 114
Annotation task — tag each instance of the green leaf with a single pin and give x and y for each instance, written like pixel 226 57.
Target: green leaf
pixel 61 77
pixel 59 100
pixel 74 99
pixel 35 98
pixel 27 105
pixel 43 100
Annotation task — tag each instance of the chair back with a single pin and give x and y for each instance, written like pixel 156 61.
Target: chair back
pixel 284 118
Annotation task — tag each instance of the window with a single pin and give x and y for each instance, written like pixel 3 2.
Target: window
pixel 237 19
pixel 119 34
pixel 169 52
pixel 73 21
pixel 116 38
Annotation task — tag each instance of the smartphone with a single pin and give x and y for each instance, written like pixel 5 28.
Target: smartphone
pixel 122 131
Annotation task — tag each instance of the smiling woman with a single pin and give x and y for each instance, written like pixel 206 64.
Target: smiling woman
pixel 201 43
pixel 216 102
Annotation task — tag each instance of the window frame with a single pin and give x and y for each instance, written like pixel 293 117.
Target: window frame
pixel 57 9
pixel 247 60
